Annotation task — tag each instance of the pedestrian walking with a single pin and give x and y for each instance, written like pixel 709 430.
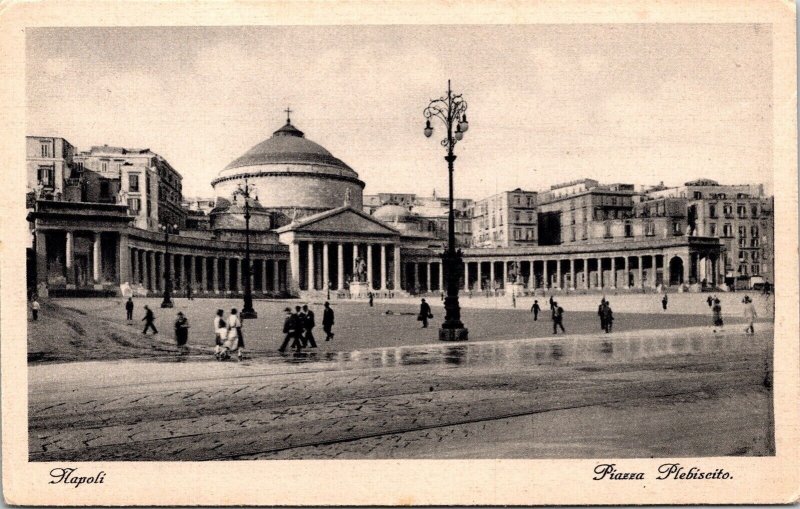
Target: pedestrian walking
pixel 749 314
pixel 664 302
pixel 608 317
pixel 308 327
pixel 558 317
pixel 148 320
pixel 710 301
pixel 424 314
pixel 370 299
pixel 129 310
pixel 535 310
pixel 220 333
pixel 291 327
pixel 717 313
pixel 552 303
pixel 327 322
pixel 182 332
pixel 35 309
pixel 234 338
pixel 601 313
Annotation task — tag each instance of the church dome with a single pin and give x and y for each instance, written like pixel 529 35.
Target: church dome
pixel 289 145
pixel 392 214
pixel 294 176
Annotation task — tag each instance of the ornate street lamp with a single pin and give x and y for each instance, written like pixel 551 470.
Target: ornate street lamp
pixel 167 229
pixel 451 110
pixel 247 307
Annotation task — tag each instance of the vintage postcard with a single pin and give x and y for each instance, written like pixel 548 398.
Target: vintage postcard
pixel 399 253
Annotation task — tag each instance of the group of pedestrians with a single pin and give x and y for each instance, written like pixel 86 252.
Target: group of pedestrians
pixel 606 315
pixel 228 336
pixel 556 311
pixel 298 327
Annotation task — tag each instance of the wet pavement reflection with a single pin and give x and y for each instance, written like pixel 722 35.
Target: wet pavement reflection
pixel 533 352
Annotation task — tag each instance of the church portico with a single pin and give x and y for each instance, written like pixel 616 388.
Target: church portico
pixel 333 250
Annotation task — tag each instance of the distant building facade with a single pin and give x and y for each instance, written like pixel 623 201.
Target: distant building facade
pixel 95 220
pixel 505 219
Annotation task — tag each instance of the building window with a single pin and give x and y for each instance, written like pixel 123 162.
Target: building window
pixel 727 210
pixel 649 228
pixel 741 211
pixel 516 217
pixel 754 210
pixel 47 176
pixel 134 205
pixel 727 230
pixel 756 269
pixel 607 233
pixel 742 242
pixel 755 256
pixel 754 242
pixel 676 228
pixel 743 269
pixel 628 230
pixel 572 234
pixel 46 150
pixel 742 232
pixel 712 211
pixel 133 183
pixel 754 231
pixel 698 195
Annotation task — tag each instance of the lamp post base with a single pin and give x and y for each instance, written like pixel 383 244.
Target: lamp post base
pixel 248 313
pixel 167 304
pixel 460 334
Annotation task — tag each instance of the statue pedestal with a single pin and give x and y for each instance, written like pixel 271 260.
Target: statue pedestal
pixel 359 290
pixel 517 289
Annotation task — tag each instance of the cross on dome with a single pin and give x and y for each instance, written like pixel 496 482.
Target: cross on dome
pixel 288 111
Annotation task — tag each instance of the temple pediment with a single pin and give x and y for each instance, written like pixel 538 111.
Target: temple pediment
pixel 344 220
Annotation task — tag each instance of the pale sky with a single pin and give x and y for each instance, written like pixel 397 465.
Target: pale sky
pixel 547 103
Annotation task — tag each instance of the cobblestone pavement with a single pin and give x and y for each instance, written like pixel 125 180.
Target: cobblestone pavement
pixel 686 392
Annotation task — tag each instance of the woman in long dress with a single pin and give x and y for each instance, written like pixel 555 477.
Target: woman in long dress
pixel 182 332
pixel 717 311
pixel 232 341
pixel 220 333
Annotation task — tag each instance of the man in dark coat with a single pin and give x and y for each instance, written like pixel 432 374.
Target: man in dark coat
pixel 424 313
pixel 327 322
pixel 371 297
pixel 608 317
pixel 664 302
pixel 552 304
pixel 290 329
pixel 148 321
pixel 601 313
pixel 129 309
pixel 558 318
pixel 535 310
pixel 308 327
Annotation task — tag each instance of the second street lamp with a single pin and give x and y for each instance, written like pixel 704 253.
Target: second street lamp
pixel 167 229
pixel 247 307
pixel 452 111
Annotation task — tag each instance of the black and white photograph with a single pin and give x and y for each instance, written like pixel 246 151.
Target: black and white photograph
pixel 402 241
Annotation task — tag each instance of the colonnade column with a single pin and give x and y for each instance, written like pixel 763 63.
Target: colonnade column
pixel 326 275
pixel 397 267
pixel 441 277
pixel 505 273
pixel 215 274
pixel 69 261
pixel 203 261
pixel 294 268
pixel 383 267
pixel 134 257
pixel 545 276
pixel 369 267
pixel 480 277
pixel 310 279
pixel 491 275
pixel 340 266
pixel 572 285
pixel 641 272
pixel 276 275
pixel 558 274
pixel 532 278
pixel 613 272
pixel 466 275
pixel 96 258
pixel 192 274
